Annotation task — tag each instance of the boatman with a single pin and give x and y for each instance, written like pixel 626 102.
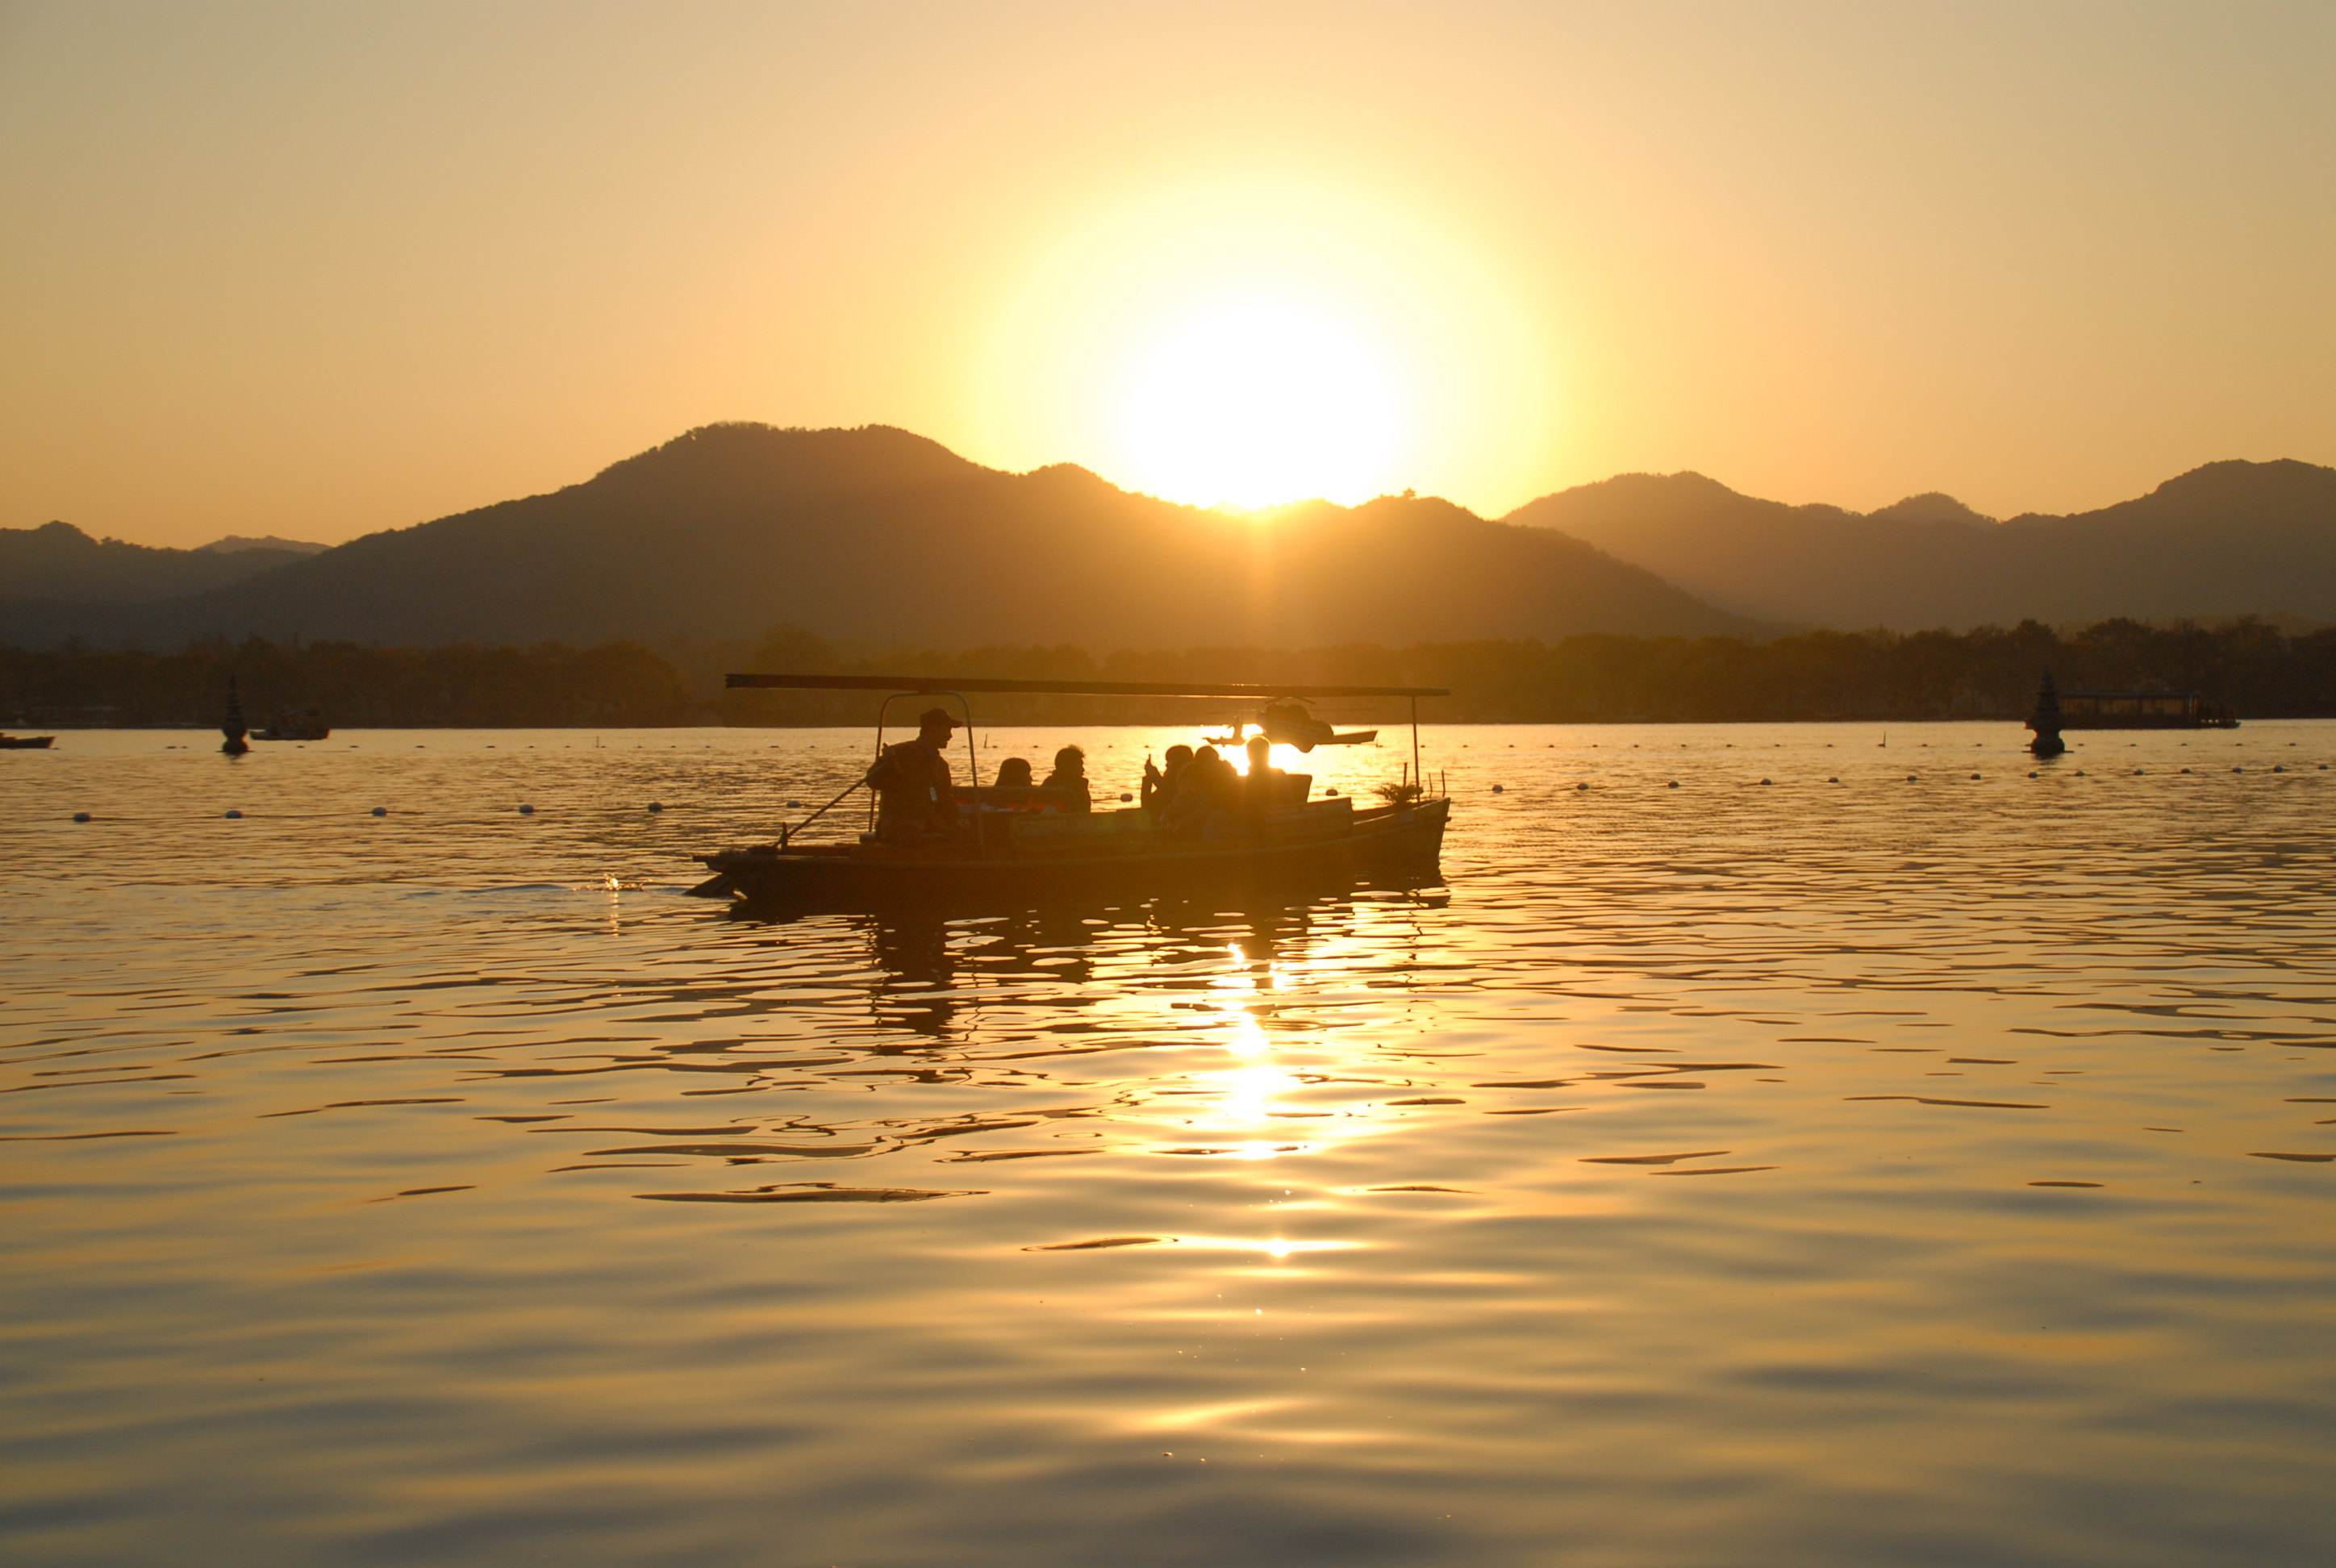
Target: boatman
pixel 915 797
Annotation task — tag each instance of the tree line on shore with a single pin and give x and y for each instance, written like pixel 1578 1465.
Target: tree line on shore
pixel 2258 669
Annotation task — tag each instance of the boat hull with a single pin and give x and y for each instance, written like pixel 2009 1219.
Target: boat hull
pixel 1389 842
pixel 27 742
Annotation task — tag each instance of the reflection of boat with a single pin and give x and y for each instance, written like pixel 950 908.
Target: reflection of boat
pixel 27 742
pixel 1018 855
pixel 309 725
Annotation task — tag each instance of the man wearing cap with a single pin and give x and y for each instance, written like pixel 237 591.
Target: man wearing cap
pixel 915 797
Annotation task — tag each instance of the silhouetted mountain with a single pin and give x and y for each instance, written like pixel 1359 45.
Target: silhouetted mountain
pixel 236 543
pixel 58 562
pixel 2228 540
pixel 876 535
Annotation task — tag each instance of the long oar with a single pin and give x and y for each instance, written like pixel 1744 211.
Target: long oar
pixel 786 833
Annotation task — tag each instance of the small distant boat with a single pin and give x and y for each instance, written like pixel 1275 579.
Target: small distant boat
pixel 27 742
pixel 1024 854
pixel 309 725
pixel 2143 710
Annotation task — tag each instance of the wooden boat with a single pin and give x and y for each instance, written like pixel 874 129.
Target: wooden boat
pixel 1008 854
pixel 309 725
pixel 2143 710
pixel 27 742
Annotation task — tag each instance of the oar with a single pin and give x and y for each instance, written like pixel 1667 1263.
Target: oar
pixel 786 833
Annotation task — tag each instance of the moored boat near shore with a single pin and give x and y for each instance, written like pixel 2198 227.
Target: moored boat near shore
pixel 1022 854
pixel 27 742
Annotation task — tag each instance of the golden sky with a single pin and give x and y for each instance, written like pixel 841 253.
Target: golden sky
pixel 318 269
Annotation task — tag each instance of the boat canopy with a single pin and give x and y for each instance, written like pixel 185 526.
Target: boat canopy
pixel 949 685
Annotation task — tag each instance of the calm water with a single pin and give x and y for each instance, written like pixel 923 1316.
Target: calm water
pixel 1931 1170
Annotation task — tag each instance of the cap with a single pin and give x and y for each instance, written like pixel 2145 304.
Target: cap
pixel 936 715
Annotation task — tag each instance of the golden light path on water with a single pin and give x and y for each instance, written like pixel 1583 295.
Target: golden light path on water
pixel 1763 1143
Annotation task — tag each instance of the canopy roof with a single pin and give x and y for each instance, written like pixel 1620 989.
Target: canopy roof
pixel 939 684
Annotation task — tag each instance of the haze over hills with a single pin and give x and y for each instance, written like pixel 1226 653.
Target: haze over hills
pixel 877 536
pixel 58 562
pixel 2228 540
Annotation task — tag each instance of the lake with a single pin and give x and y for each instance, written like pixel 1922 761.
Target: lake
pixel 1766 1143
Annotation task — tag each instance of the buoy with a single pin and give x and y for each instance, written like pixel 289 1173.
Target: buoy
pixel 657 806
pixel 80 816
pixel 1764 781
pixel 1835 779
pixel 233 815
pixel 2279 767
pixel 1911 777
pixel 2185 770
pixel 1673 784
pixel 527 811
pixel 2031 773
pixel 2238 770
pixel 2080 772
pixel 1975 775
pixel 794 805
pixel 2137 773
pixel 381 811
pixel 1125 797
pixel 1497 789
pixel 1581 786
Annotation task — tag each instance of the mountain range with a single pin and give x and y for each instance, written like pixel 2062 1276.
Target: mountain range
pixel 879 538
pixel 2228 540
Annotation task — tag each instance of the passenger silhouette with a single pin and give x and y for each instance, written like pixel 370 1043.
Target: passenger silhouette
pixel 1160 786
pixel 1070 779
pixel 1014 772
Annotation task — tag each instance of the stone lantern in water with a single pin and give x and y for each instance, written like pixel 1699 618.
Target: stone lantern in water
pixel 232 726
pixel 2046 720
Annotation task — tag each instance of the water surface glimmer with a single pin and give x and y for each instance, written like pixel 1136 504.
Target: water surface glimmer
pixel 1924 1167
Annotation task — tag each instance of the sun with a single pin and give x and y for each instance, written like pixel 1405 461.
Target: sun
pixel 1252 400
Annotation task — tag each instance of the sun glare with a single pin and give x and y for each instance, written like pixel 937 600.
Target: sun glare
pixel 1255 339
pixel 1250 403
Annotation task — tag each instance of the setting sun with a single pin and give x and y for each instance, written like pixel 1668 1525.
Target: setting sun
pixel 1251 401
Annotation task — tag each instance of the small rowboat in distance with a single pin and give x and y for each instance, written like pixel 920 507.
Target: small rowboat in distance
pixel 1021 856
pixel 27 742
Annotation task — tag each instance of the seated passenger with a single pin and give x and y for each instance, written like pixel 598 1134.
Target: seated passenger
pixel 1207 788
pixel 1070 778
pixel 1014 772
pixel 1159 787
pixel 1267 786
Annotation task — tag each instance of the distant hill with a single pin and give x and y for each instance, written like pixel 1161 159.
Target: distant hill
pixel 2228 540
pixel 238 543
pixel 58 562
pixel 877 536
